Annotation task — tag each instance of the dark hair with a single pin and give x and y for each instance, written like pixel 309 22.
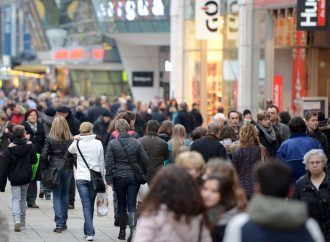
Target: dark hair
pixel 27 114
pixel 225 189
pixel 246 111
pixel 129 116
pixel 233 111
pixel 285 117
pixel 220 109
pixel 113 122
pixel 166 127
pixel 267 175
pixel 297 125
pixel 228 132
pixel 153 126
pixel 198 133
pixel 19 131
pixel 320 116
pixel 310 114
pixel 175 188
pixel 273 106
pixel 261 116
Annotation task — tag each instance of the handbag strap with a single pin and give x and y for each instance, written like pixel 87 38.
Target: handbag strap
pixel 82 155
pixel 200 230
pixel 125 150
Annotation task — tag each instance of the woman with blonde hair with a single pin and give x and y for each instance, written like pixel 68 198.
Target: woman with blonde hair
pixel 53 153
pixel 178 139
pixel 245 156
pixel 90 156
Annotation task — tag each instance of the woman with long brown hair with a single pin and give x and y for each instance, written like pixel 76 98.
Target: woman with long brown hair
pixel 56 145
pixel 172 210
pixel 245 156
pixel 178 139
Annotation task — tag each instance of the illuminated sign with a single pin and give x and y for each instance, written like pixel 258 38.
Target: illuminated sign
pixel 79 55
pixel 132 9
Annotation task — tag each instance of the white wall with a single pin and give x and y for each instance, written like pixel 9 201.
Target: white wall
pixel 141 58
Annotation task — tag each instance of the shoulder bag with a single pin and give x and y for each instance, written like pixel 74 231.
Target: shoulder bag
pixel 138 172
pixel 52 177
pixel 96 176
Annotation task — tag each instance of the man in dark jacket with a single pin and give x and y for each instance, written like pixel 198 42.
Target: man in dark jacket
pixel 209 146
pixel 74 125
pixel 313 131
pixel 101 127
pixel 197 116
pixel 94 112
pixel 185 118
pixel 270 216
pixel 155 147
pixel 157 115
pixel 17 166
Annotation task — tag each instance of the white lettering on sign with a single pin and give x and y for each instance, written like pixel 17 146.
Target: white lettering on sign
pixel 131 9
pixel 309 16
pixel 207 19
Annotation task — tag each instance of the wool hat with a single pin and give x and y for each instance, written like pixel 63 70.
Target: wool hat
pixel 106 114
pixel 63 109
pixel 50 111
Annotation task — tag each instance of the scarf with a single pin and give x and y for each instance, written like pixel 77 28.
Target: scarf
pixel 213 214
pixel 34 127
pixel 268 132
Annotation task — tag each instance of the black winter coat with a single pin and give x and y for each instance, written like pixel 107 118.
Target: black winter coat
pixel 186 119
pixel 54 151
pixel 37 138
pixel 197 117
pixel 322 138
pixel 116 161
pixel 17 164
pixel 157 151
pixel 209 147
pixel 318 201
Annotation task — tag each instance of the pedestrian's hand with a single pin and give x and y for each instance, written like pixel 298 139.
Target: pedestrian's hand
pixel 6 131
pixel 76 137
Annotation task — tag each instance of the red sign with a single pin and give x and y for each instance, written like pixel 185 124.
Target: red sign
pixel 79 54
pixel 321 13
pixel 278 92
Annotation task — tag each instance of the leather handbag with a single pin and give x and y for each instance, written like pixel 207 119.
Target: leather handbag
pixel 52 177
pixel 96 176
pixel 139 174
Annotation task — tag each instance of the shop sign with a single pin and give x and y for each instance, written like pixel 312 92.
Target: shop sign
pixel 278 92
pixel 207 14
pixel 232 20
pixel 132 9
pixel 79 55
pixel 313 15
pixel 143 79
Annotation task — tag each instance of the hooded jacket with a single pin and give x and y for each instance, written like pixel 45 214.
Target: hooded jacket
pixel 17 165
pixel 273 219
pixel 162 227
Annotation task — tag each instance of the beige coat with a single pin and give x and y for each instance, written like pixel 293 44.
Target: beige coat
pixel 162 227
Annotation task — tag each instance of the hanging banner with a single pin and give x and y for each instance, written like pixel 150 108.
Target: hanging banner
pixel 207 14
pixel 278 92
pixel 6 30
pixel 313 15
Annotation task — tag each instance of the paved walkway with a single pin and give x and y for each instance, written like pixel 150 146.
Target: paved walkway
pixel 40 223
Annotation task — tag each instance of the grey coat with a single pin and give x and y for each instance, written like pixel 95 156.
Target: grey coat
pixel 116 162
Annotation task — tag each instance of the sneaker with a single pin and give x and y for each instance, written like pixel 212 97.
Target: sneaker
pixel 17 227
pixel 90 238
pixel 58 230
pixel 41 194
pixel 33 206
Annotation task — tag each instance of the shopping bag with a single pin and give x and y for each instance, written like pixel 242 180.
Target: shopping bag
pixel 143 191
pixel 35 167
pixel 102 204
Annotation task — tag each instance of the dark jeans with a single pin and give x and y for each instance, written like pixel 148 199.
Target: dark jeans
pixel 126 190
pixel 61 198
pixel 87 197
pixel 72 192
pixel 31 195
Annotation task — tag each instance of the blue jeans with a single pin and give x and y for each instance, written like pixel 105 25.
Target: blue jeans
pixel 126 190
pixel 87 197
pixel 61 198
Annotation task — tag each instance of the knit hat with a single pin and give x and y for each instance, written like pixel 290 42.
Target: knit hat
pixel 50 112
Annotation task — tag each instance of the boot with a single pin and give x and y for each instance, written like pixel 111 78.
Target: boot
pixel 122 226
pixel 132 218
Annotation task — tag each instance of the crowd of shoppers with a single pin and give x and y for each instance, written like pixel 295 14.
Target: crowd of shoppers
pixel 201 183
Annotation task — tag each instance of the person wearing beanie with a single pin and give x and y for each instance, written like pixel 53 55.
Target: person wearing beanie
pixel 36 134
pixel 101 126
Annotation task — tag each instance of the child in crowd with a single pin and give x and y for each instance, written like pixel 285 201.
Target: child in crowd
pixel 193 163
pixel 17 166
